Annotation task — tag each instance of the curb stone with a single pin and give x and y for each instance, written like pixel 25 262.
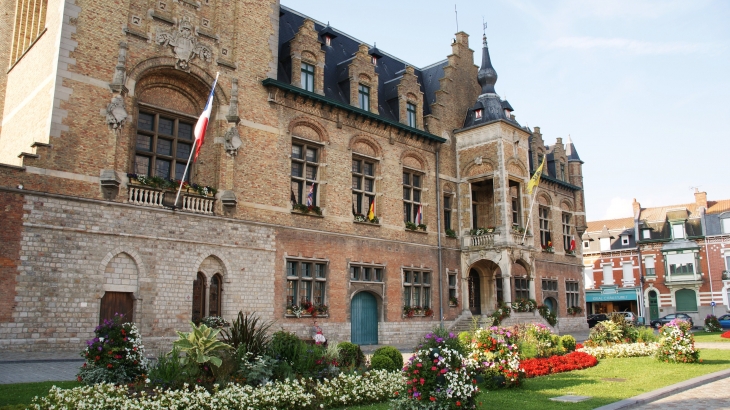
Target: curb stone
pixel 666 391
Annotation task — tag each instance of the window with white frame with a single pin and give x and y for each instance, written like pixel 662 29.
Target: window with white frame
pixel 306 282
pixel 646 234
pixel 363 185
pixel 588 277
pixel 628 272
pixel 681 263
pixel 605 244
pixel 308 77
pixel 649 266
pixel 304 170
pixel 725 225
pixel 572 294
pixel 366 273
pixel 678 231
pixel 608 274
pixel 624 240
pixel 586 244
pixel 416 288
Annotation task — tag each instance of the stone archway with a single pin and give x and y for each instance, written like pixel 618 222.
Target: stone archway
pixel 483 290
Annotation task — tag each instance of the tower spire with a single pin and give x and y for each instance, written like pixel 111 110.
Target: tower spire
pixel 487 76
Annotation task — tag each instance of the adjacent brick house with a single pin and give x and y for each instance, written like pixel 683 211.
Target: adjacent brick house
pixel 337 171
pixel 664 260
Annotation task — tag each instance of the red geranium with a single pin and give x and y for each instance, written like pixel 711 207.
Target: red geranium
pixel 726 335
pixel 557 364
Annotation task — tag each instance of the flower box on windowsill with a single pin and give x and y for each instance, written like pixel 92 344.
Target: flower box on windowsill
pixel 307 316
pixel 548 250
pixel 367 223
pixel 307 210
pixel 570 253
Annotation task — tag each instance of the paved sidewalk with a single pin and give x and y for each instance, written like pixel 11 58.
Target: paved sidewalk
pixel 714 395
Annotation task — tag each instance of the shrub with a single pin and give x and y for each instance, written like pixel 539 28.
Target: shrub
pixel 503 311
pixel 201 345
pixel 382 362
pixel 568 343
pixel 548 315
pixel 712 324
pixel 256 371
pixel 214 322
pixel 248 330
pixel 394 354
pixel 170 373
pixel 542 338
pixel 440 337
pixel 605 332
pixel 114 355
pixel 677 345
pixel 351 355
pixel 646 335
pixel 528 350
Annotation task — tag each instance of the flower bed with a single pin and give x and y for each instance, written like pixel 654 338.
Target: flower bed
pixel 370 387
pixel 621 350
pixel 726 335
pixel 557 364
pixel 712 324
pixel 677 345
pixel 496 352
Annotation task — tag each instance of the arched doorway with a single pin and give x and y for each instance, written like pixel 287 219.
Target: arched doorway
pixel 551 304
pixel 198 298
pixel 653 305
pixel 475 299
pixel 364 313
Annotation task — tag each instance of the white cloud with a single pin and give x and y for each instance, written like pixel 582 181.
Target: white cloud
pixel 619 208
pixel 629 45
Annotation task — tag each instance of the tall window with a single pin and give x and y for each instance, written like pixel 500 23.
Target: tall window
pixel 452 285
pixel 411 109
pixel 308 77
pixel 364 97
pixel 198 298
pixel 566 231
pixel 447 211
pixel 417 288
pixel 366 273
pixel 30 21
pixel 162 146
pixel 572 294
pixel 499 286
pixel 216 288
pixel 608 274
pixel 363 185
pixel 514 193
pixel 562 171
pixel 411 195
pixel 305 282
pixel 544 213
pixel 522 289
pixel 304 167
pixel 649 266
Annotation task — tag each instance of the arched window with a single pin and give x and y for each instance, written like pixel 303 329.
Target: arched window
pixel 198 298
pixel 216 287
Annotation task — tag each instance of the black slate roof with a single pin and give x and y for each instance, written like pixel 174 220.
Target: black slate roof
pixel 338 55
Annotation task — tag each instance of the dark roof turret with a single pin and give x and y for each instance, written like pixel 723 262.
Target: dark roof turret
pixel 487 76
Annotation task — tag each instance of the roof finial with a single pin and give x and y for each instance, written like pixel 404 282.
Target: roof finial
pixel 484 29
pixel 456 14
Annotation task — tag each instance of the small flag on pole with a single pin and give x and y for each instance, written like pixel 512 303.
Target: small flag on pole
pixel 419 216
pixel 371 212
pixel 572 243
pixel 310 196
pixel 535 180
pixel 202 125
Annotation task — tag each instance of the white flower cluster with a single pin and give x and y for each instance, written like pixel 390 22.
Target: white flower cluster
pixel 343 390
pixel 502 357
pixel 621 350
pixel 677 343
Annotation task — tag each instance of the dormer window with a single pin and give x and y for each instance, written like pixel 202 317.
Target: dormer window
pixel 374 60
pixel 478 114
pixel 624 240
pixel 328 41
pixel 646 234
pixel 562 171
pixel 605 244
pixel 364 97
pixel 507 113
pixel 411 109
pixel 678 231
pixel 307 77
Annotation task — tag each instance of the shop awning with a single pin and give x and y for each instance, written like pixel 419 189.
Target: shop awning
pixel 611 294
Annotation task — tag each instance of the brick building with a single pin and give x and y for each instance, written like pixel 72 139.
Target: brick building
pixel 664 260
pixel 331 174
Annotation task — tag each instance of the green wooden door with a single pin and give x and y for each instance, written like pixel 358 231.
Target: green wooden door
pixel 686 300
pixel 364 319
pixel 653 305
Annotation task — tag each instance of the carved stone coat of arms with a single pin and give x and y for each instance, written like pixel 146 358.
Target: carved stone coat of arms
pixel 185 44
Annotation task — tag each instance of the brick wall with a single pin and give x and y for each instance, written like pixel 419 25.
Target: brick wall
pixel 11 205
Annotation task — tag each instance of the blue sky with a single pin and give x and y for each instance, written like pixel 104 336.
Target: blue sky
pixel 641 86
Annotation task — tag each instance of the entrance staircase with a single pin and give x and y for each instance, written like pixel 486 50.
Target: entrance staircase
pixel 466 321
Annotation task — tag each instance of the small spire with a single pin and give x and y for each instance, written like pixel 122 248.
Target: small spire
pixel 487 74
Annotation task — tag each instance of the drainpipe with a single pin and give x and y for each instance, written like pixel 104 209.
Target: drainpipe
pixel 709 265
pixel 438 238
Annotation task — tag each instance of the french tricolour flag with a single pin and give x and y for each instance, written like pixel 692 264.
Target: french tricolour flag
pixel 419 216
pixel 202 123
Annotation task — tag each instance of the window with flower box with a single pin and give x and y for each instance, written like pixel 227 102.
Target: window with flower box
pixel 304 172
pixel 306 283
pixel 162 145
pixel 363 186
pixel 412 196
pixel 572 294
pixel 566 232
pixel 417 288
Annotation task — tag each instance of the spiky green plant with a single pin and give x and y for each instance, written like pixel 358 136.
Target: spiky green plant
pixel 248 331
pixel 200 345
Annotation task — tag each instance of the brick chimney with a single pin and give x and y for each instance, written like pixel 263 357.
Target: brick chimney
pixel 701 198
pixel 637 208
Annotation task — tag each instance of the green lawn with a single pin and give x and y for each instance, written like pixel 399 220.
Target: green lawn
pixel 704 337
pixel 640 375
pixel 18 396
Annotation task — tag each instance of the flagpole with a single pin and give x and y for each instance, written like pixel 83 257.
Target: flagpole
pixel 190 157
pixel 529 216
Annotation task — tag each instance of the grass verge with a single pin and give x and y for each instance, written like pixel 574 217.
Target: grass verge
pixel 19 396
pixel 638 375
pixel 709 337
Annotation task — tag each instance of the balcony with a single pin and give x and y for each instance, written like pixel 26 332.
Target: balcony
pixel 152 197
pixel 492 239
pixel 683 279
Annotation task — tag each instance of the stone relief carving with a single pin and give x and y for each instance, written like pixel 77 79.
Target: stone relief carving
pixel 478 160
pixel 232 141
pixel 185 44
pixel 115 113
pixel 117 84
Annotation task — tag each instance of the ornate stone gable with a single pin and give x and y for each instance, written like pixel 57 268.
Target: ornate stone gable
pixel 409 91
pixel 185 44
pixel 362 72
pixel 306 48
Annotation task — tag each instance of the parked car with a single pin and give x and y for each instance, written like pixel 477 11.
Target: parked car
pixel 630 316
pixel 594 319
pixel 657 323
pixel 724 321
